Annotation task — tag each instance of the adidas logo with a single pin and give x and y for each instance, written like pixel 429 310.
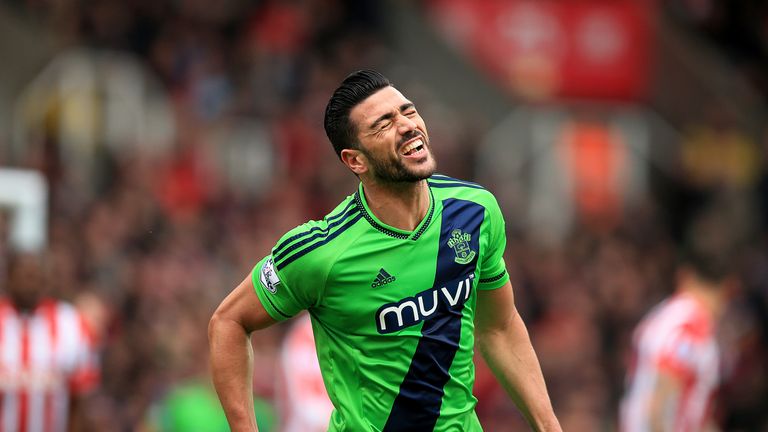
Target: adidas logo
pixel 382 278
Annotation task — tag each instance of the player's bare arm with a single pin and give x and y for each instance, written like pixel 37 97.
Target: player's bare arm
pixel 664 402
pixel 75 418
pixel 229 331
pixel 503 340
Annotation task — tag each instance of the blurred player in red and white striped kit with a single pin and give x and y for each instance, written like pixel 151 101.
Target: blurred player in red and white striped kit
pixel 676 365
pixel 48 359
pixel 305 403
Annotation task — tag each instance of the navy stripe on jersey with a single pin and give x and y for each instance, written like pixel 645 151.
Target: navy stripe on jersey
pixel 342 214
pixel 494 278
pixel 451 184
pixel 440 177
pixel 417 405
pixel 322 232
pixel 314 246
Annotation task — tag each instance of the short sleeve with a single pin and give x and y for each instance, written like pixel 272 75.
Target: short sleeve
pixel 680 355
pixel 493 271
pixel 285 293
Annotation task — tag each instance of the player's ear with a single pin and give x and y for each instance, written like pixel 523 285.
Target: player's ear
pixel 355 160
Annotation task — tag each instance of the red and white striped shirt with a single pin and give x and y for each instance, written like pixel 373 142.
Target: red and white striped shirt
pixel 46 356
pixel 678 338
pixel 306 406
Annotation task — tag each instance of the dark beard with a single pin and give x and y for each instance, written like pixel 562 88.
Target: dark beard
pixel 392 170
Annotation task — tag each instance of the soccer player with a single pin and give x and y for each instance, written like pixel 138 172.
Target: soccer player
pixel 676 362
pixel 399 279
pixel 48 359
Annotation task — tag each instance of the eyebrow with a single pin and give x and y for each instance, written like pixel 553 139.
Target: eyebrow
pixel 390 114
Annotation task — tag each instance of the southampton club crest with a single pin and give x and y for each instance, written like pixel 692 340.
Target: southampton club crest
pixel 459 242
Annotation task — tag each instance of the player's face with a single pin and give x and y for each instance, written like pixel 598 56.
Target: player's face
pixel 25 281
pixel 393 138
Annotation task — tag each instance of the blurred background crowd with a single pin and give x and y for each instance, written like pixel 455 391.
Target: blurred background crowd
pixel 180 139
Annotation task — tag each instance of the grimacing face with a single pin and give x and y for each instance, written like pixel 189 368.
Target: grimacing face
pixel 393 138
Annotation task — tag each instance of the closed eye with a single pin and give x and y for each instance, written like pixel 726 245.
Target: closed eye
pixel 408 109
pixel 385 120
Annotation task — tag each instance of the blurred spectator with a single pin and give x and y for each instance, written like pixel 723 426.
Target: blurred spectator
pixel 715 153
pixel 48 358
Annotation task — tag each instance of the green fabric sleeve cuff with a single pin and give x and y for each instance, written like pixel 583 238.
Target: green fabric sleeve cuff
pixel 494 282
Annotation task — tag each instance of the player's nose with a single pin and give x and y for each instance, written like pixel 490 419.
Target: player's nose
pixel 405 124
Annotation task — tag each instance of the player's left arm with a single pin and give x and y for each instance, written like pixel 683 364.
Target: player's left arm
pixel 664 403
pixel 85 378
pixel 504 343
pixel 76 421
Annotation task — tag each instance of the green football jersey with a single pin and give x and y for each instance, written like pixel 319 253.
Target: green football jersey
pixel 392 311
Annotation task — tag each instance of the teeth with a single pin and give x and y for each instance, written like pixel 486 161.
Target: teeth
pixel 412 146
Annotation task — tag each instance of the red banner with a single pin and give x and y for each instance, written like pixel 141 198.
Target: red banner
pixel 593 49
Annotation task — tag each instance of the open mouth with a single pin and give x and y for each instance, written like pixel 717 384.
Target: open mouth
pixel 413 148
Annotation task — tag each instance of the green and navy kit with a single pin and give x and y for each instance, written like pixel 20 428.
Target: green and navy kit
pixel 392 310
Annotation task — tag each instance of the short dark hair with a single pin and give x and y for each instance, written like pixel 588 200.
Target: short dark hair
pixel 713 241
pixel 354 89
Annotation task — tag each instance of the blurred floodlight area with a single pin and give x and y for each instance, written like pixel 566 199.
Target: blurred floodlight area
pixel 162 148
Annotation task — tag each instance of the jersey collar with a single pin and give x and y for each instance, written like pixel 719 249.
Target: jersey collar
pixel 391 231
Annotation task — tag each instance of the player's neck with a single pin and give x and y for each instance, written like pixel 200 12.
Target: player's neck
pixel 711 297
pixel 402 206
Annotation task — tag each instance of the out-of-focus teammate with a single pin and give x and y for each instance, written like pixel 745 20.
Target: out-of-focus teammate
pixel 398 280
pixel 676 361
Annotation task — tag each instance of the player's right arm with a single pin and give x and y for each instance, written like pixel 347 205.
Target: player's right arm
pixel 231 354
pixel 280 286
